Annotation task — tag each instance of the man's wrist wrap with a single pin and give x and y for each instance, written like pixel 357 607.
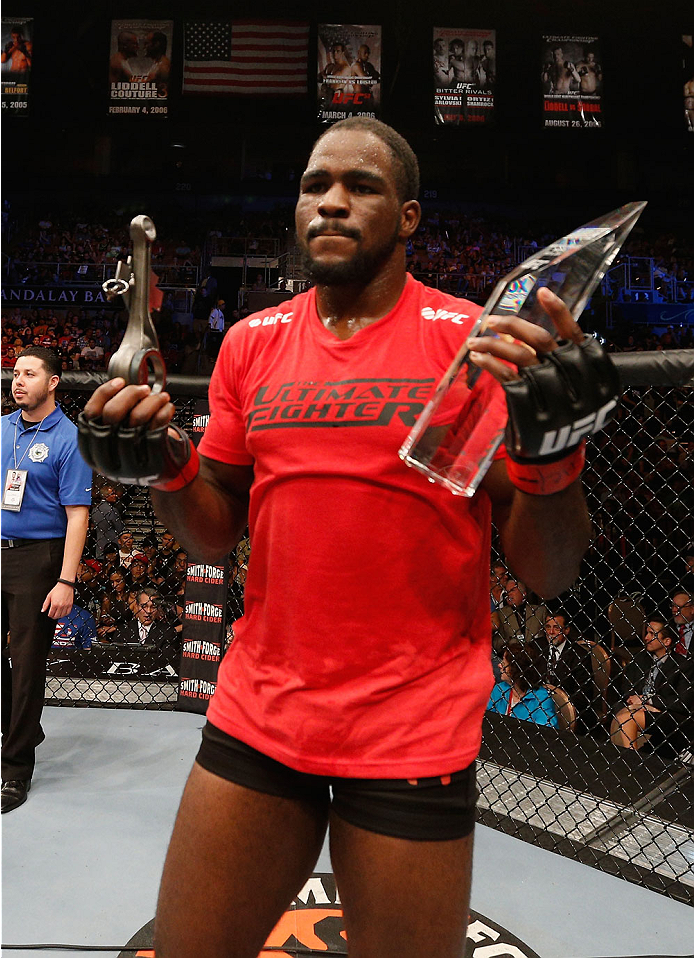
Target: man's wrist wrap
pixel 163 457
pixel 544 479
pixel 185 476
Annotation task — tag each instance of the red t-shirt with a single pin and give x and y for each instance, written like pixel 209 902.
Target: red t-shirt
pixel 364 650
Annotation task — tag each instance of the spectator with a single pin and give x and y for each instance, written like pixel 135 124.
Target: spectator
pixel 660 696
pixel 111 559
pixel 9 357
pixel 683 621
pixel 126 548
pixel 569 666
pixel 106 518
pixel 144 628
pixel 115 610
pixel 165 557
pixel 88 585
pixel 520 692
pixel 215 328
pixel 93 353
pixel 499 576
pixel 137 579
pixel 175 577
pixel 518 618
pixel 148 545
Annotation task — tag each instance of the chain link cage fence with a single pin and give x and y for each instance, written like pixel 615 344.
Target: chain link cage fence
pixel 587 753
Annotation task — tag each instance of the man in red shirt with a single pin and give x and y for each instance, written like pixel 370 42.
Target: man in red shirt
pixel 362 661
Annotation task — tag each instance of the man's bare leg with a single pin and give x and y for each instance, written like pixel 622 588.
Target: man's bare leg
pixel 401 899
pixel 236 860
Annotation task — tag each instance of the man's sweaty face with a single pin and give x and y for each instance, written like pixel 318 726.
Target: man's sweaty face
pixel 348 212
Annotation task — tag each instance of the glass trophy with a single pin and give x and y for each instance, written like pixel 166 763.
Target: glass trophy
pixel 456 436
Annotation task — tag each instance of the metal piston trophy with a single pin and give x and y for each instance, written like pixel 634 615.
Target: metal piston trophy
pixel 454 439
pixel 139 349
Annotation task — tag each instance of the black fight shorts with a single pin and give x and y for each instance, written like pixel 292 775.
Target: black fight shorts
pixel 424 809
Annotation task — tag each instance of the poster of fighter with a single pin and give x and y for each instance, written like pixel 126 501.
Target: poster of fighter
pixel 349 71
pixel 572 82
pixel 688 80
pixel 139 67
pixel 16 57
pixel 464 76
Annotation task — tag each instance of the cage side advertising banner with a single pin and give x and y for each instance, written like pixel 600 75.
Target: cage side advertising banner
pixel 17 55
pixel 349 71
pixel 572 82
pixel 139 67
pixel 204 613
pixel 687 79
pixel 464 76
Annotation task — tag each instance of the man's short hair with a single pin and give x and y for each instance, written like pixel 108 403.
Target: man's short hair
pixel 50 359
pixel 406 169
pixel 150 592
pixel 559 614
pixel 665 630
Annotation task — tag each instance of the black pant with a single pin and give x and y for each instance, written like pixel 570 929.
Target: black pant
pixel 29 572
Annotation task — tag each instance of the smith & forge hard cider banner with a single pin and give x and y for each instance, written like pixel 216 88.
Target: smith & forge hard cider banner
pixel 139 67
pixel 204 614
pixel 464 76
pixel 349 71
pixel 572 82
pixel 17 55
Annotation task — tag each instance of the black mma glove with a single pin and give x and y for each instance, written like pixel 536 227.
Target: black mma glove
pixel 138 455
pixel 570 394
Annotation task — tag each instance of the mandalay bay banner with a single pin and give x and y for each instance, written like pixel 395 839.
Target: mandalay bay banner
pixel 572 82
pixel 17 56
pixel 464 64
pixel 139 67
pixel 349 71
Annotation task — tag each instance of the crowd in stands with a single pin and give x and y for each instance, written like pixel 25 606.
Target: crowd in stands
pixel 130 586
pixel 35 249
pixel 631 682
pixel 464 253
pixel 633 685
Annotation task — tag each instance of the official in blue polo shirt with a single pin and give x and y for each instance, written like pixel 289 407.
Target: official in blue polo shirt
pixel 45 513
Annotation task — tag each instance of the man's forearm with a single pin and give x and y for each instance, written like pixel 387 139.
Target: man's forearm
pixel 545 537
pixel 75 537
pixel 207 523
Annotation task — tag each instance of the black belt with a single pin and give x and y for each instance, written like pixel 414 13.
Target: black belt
pixel 13 543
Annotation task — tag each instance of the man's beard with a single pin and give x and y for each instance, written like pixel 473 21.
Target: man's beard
pixel 29 405
pixel 360 269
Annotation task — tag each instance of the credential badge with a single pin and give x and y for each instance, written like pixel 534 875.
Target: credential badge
pixel 38 452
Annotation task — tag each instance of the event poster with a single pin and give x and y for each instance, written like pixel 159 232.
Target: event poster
pixel 349 71
pixel 687 80
pixel 464 76
pixel 17 54
pixel 139 67
pixel 572 81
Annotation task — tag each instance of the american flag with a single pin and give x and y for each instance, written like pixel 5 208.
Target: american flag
pixel 266 58
pixel 207 58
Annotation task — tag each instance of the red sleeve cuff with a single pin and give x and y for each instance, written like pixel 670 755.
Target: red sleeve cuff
pixel 545 479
